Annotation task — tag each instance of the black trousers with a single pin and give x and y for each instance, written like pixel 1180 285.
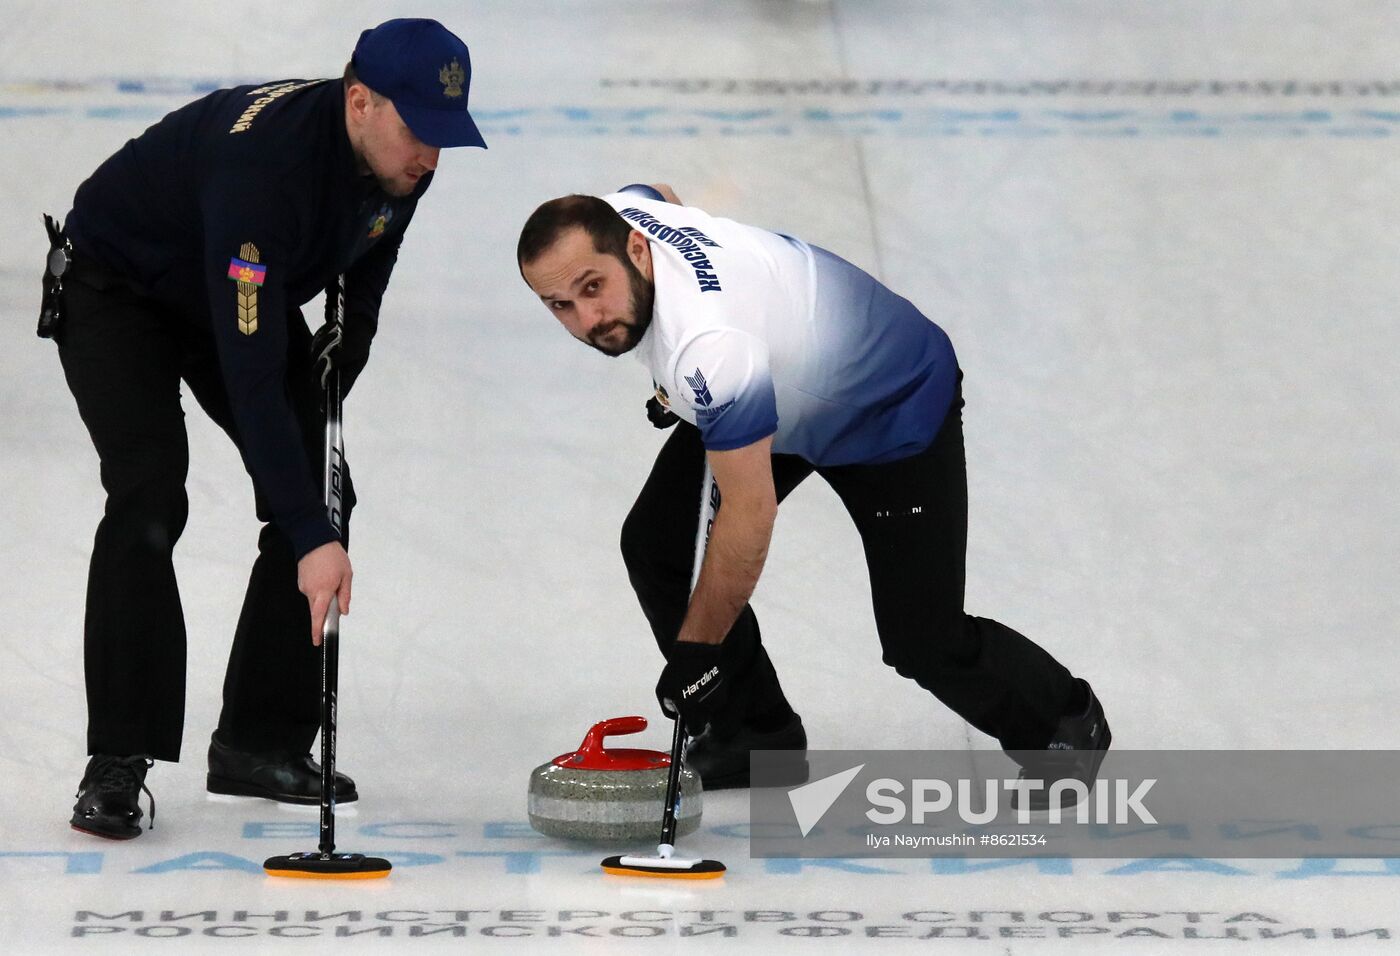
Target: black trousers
pixel 124 357
pixel 912 519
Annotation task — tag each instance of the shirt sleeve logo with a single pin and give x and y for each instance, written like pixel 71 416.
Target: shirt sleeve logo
pixel 247 274
pixel 697 383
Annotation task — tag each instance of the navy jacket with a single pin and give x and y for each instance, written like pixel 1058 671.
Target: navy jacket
pixel 234 211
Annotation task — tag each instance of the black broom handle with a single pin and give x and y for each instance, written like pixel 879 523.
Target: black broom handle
pixel 673 786
pixel 709 505
pixel 330 634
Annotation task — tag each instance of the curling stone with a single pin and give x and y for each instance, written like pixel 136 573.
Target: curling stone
pixel 602 794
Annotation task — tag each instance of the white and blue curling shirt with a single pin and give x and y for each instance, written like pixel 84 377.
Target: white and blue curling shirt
pixel 756 334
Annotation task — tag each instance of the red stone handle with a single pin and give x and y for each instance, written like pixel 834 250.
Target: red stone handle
pixel 612 727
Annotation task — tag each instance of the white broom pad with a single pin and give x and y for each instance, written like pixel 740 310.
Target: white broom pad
pixel 665 863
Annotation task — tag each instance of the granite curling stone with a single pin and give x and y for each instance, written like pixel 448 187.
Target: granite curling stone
pixel 602 794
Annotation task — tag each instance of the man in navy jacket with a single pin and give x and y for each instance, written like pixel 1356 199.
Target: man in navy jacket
pixel 193 248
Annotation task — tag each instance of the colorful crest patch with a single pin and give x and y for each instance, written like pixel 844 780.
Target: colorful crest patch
pixel 248 274
pixel 241 271
pixel 381 221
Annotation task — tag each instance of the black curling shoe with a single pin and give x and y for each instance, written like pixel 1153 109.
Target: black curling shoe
pixel 279 775
pixel 1074 753
pixel 723 764
pixel 109 797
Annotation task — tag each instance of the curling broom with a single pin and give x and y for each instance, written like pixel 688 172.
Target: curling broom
pixel 325 863
pixel 665 864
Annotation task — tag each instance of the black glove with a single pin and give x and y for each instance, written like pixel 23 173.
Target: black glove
pixel 659 415
pixel 330 348
pixel 695 681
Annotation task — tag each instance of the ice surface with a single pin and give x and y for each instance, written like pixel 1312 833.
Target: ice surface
pixel 1176 315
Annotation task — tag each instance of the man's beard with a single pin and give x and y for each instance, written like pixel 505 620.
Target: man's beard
pixel 395 188
pixel 642 300
pixel 387 184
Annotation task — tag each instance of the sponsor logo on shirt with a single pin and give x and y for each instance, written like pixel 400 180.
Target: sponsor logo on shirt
pixel 705 408
pixel 698 385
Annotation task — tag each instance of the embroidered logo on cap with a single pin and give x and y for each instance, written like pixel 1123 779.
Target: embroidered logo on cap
pixel 452 77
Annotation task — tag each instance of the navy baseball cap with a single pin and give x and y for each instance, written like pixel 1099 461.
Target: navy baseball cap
pixel 424 69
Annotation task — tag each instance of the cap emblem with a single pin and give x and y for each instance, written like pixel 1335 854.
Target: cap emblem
pixel 452 77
